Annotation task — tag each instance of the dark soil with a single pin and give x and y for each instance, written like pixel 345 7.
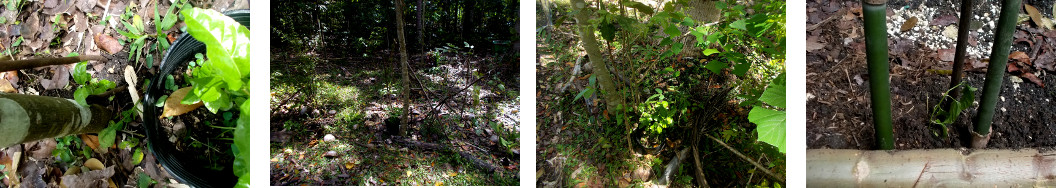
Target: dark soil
pixel 838 108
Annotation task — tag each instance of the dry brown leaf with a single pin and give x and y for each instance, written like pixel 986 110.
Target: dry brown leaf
pixel 108 43
pixel 947 54
pixel 813 44
pixel 1036 16
pixel 1020 56
pixel 6 87
pixel 1033 78
pixel 59 79
pixel 909 24
pixel 173 107
pixel 91 140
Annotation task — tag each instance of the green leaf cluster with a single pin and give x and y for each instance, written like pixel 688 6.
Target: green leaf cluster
pixel 222 80
pixel 771 121
pixel 762 31
pixel 88 85
pixel 108 135
pixel 945 117
pixel 657 112
pixel 137 36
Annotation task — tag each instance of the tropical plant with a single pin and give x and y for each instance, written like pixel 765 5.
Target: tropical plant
pixel 771 120
pixel 222 80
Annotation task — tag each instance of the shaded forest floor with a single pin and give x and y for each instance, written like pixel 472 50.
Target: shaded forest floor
pixel 838 108
pixel 472 138
pixel 579 145
pixel 39 29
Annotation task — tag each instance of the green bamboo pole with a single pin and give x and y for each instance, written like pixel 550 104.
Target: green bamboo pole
pixel 995 71
pixel 960 54
pixel 875 18
pixel 25 118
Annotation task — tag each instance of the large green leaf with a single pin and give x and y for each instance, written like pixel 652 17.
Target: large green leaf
pixel 226 41
pixel 771 123
pixel 608 31
pixel 775 94
pixel 671 30
pixel 80 73
pixel 771 126
pixel 739 24
pixel 716 66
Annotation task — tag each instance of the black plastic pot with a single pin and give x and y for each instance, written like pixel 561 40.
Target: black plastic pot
pixel 175 162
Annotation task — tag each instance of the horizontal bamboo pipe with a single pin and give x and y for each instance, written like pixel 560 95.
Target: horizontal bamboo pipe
pixel 25 118
pixel 931 168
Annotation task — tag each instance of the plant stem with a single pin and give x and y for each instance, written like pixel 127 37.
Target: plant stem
pixel 875 19
pixel 1006 25
pixel 959 55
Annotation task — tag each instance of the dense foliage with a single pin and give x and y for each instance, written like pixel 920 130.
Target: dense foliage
pixel 364 27
pixel 222 81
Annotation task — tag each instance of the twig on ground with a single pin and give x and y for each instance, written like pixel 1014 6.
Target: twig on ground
pixel 831 17
pixel 749 160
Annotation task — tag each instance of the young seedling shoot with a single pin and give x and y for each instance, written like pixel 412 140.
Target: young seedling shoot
pixel 875 19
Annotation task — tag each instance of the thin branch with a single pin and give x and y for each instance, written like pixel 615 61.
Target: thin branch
pixel 745 158
pixel 40 62
pixel 441 102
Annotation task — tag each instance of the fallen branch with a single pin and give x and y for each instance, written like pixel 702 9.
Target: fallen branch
pixel 480 164
pixel 757 165
pixel 701 181
pixel 830 18
pixel 441 102
pixel 40 62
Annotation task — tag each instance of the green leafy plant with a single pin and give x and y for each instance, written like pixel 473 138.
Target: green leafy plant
pixel 222 80
pixel 137 36
pixel 589 91
pixel 88 85
pixel 945 117
pixel 657 112
pixel 108 135
pixel 771 121
pixel 64 149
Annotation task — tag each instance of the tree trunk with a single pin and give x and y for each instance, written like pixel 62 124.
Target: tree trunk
pixel 26 118
pixel 586 34
pixel 930 168
pixel 403 64
pixel 421 28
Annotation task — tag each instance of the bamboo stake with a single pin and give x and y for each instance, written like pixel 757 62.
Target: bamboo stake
pixel 995 71
pixel 931 168
pixel 29 117
pixel 959 55
pixel 875 19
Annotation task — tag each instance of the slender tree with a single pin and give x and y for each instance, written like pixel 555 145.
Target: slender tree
pixel 421 28
pixel 404 66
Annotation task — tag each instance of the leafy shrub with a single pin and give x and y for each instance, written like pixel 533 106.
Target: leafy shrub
pixel 222 81
pixel 88 85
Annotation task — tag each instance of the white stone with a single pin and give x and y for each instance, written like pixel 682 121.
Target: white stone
pixel 329 137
